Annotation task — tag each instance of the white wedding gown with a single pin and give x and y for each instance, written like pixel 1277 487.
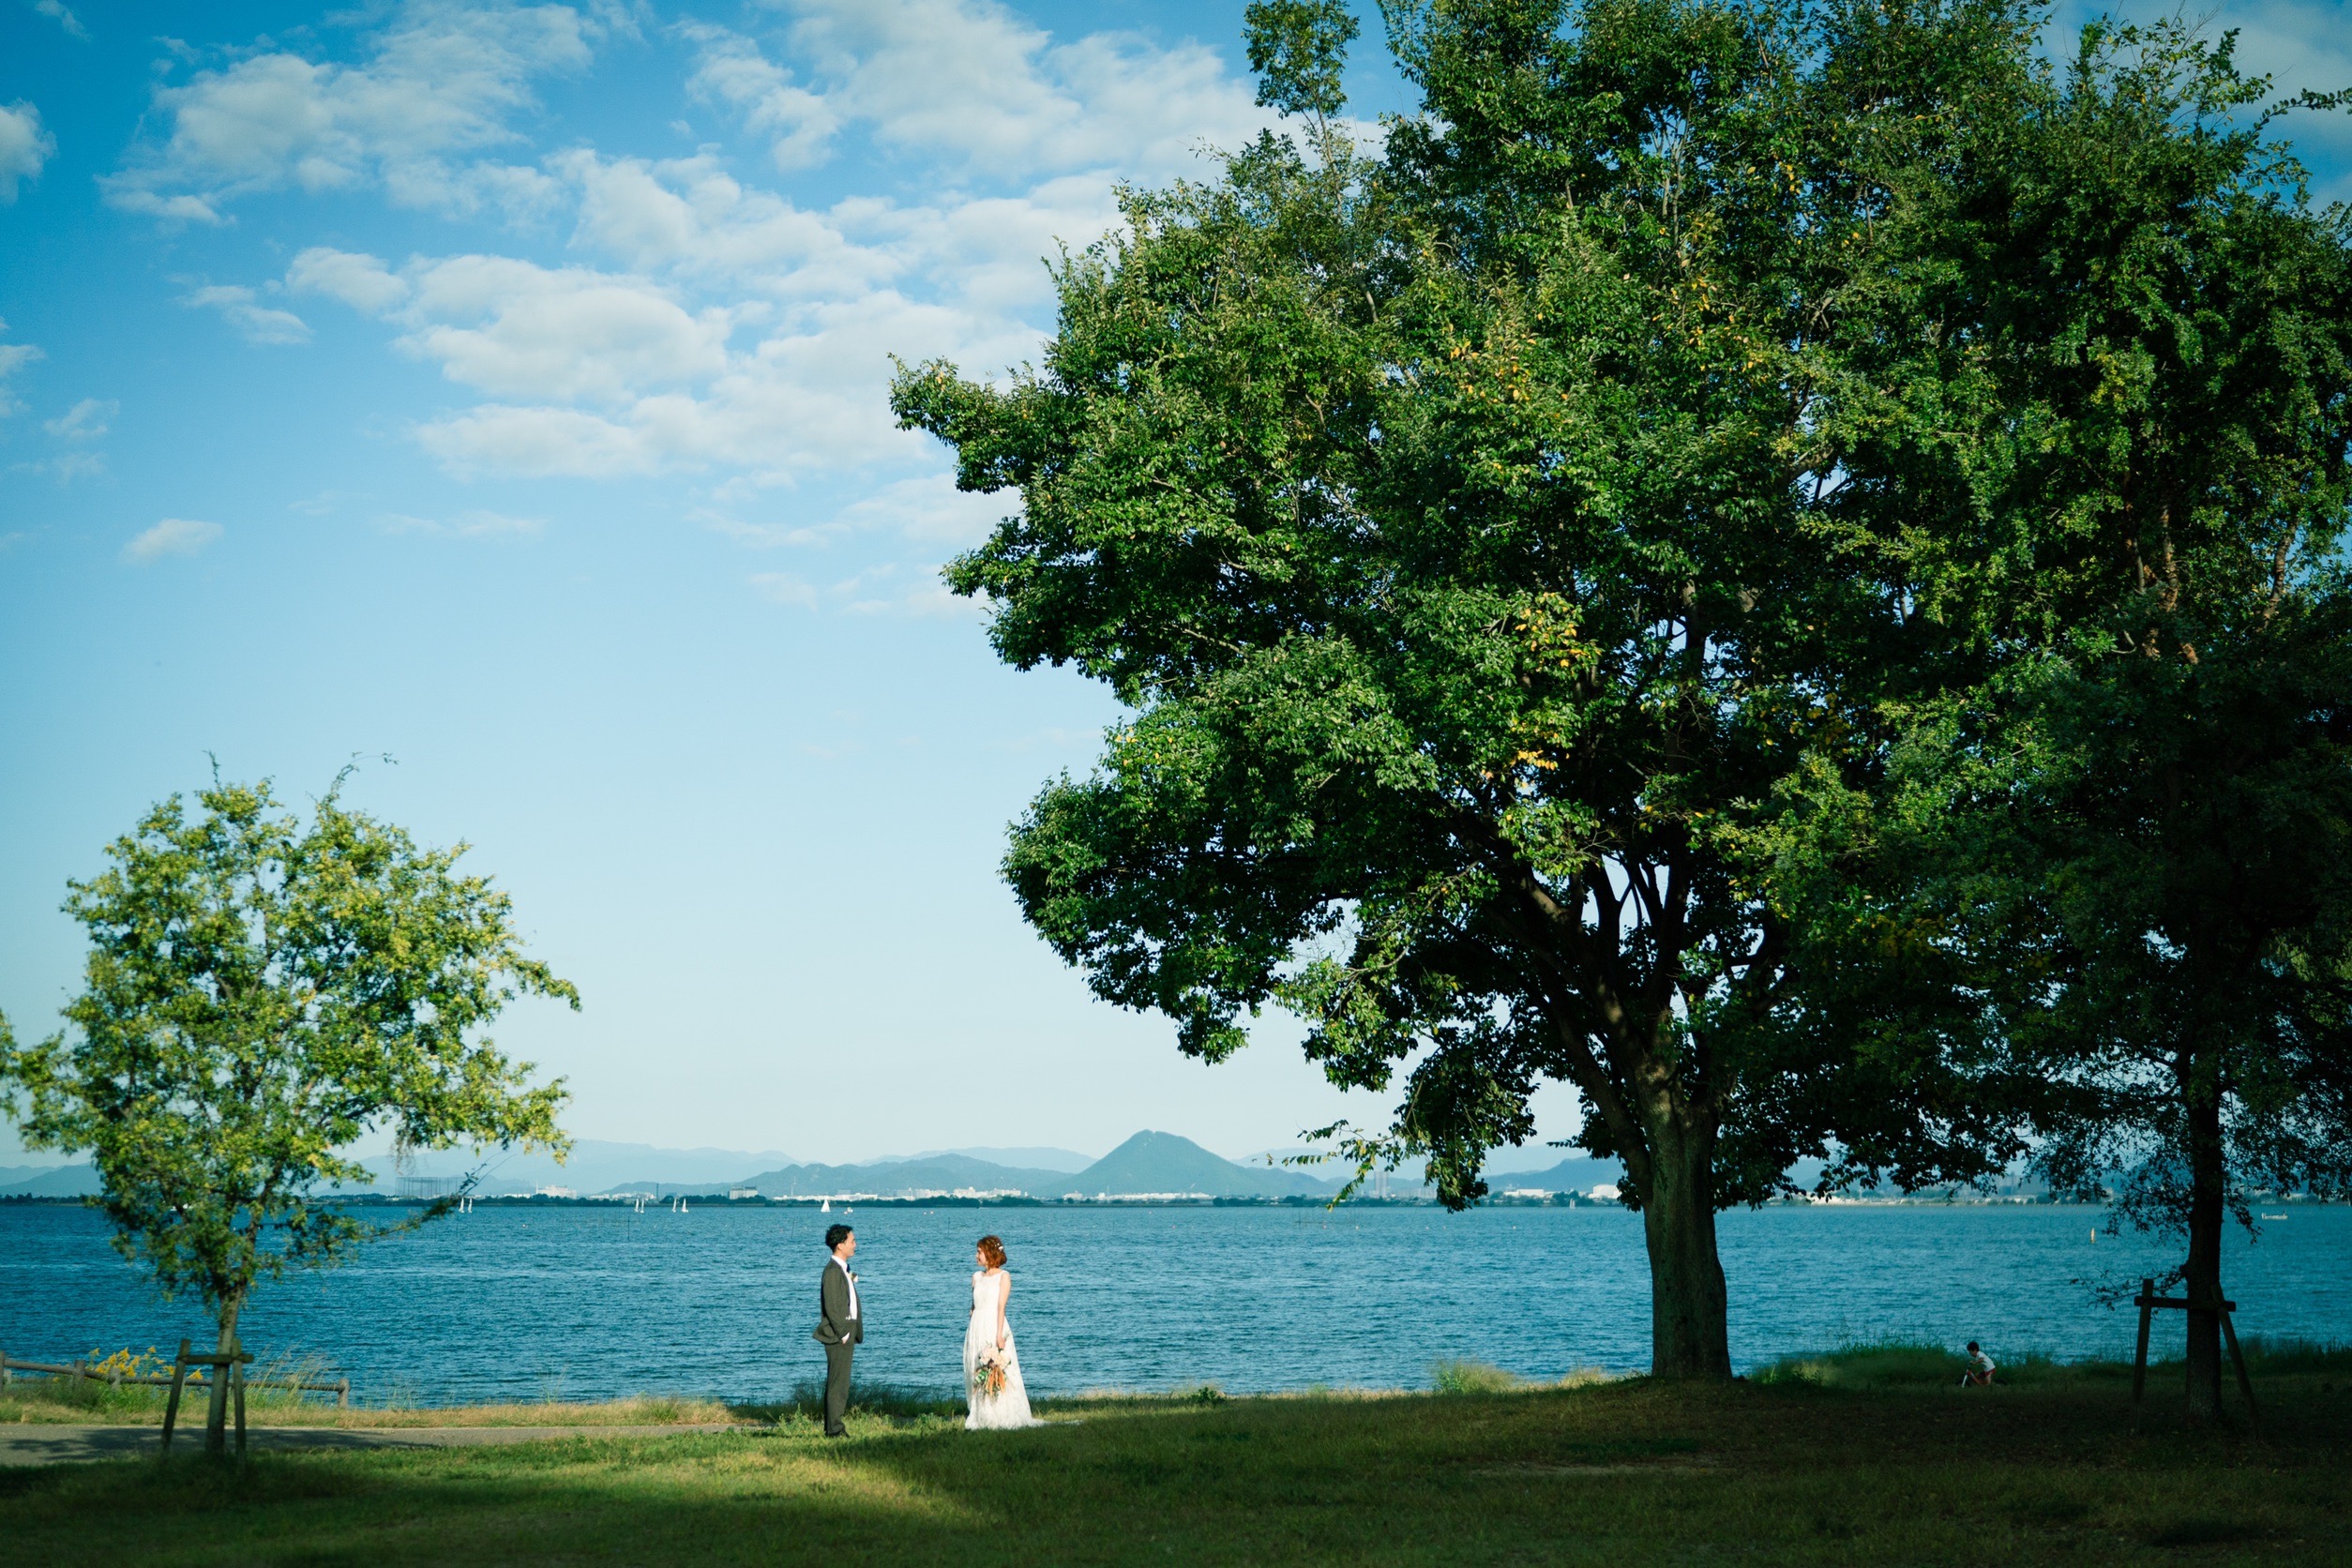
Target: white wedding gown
pixel 1011 1407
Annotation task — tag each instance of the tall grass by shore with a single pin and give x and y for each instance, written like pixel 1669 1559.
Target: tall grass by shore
pixel 1890 1365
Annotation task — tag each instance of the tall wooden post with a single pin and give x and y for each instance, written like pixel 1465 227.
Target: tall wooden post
pixel 172 1405
pixel 2139 1361
pixel 2238 1359
pixel 236 1370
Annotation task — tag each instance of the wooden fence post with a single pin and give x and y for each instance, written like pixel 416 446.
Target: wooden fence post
pixel 342 1394
pixel 236 1371
pixel 2139 1361
pixel 2245 1384
pixel 2148 1300
pixel 172 1405
pixel 4 1371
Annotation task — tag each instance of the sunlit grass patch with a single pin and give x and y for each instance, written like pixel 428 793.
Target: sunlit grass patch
pixel 62 1401
pixel 1626 1473
pixel 1453 1375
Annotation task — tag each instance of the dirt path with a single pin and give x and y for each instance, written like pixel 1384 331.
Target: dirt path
pixel 28 1444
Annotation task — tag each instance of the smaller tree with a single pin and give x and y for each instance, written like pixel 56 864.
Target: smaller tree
pixel 2146 806
pixel 259 995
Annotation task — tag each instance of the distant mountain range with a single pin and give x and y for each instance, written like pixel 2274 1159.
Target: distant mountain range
pixel 593 1166
pixel 48 1180
pixel 1163 1163
pixel 1149 1165
pixel 1031 1159
pixel 929 1175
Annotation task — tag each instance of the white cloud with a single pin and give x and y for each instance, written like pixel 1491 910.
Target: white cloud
pixel 172 536
pixel 24 146
pixel 465 525
pixel 57 12
pixel 810 397
pixel 970 80
pixel 733 72
pixel 784 588
pixel 599 373
pixel 769 535
pixel 939 601
pixel 569 334
pixel 604 373
pixel 324 503
pixel 712 325
pixel 242 309
pixel 542 443
pixel 689 216
pixel 515 328
pixel 362 282
pixel 875 591
pixel 88 421
pixel 443 81
pixel 14 357
pixel 74 432
pixel 928 508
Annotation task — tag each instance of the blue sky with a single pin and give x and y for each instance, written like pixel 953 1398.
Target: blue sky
pixel 501 390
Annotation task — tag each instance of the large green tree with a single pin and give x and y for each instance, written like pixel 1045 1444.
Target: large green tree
pixel 2141 817
pixel 260 994
pixel 1472 533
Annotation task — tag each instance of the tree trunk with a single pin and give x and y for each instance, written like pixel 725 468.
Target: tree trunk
pixel 217 1410
pixel 1689 1333
pixel 2201 1280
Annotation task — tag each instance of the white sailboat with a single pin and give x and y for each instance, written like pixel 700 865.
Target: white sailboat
pixel 826 1208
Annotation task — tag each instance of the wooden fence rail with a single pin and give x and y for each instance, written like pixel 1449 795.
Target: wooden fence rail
pixel 2148 1301
pixel 341 1388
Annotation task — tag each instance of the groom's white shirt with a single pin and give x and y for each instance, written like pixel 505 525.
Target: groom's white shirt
pixel 851 1280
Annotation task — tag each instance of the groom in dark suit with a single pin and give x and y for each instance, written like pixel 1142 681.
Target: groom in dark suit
pixel 839 1328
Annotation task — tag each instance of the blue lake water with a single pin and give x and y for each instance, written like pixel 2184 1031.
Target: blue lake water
pixel 583 1302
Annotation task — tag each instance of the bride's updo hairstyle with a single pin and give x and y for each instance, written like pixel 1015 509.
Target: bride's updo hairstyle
pixel 994 1250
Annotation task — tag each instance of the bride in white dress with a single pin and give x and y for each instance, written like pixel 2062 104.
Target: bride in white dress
pixel 989 1329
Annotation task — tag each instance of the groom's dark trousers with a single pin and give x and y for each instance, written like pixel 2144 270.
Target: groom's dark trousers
pixel 840 1333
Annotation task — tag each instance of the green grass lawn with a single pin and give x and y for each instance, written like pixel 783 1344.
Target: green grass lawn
pixel 1868 1456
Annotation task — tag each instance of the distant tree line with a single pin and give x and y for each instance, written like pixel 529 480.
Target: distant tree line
pixel 1779 564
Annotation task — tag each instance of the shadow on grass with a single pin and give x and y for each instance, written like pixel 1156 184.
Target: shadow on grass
pixel 1906 1365
pixel 1631 1471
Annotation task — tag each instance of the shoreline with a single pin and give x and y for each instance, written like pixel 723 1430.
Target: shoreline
pixel 721 1201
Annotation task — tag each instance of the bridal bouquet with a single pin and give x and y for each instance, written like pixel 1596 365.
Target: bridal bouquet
pixel 987 1374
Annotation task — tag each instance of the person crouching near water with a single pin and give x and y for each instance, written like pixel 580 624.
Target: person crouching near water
pixel 839 1329
pixel 1979 1373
